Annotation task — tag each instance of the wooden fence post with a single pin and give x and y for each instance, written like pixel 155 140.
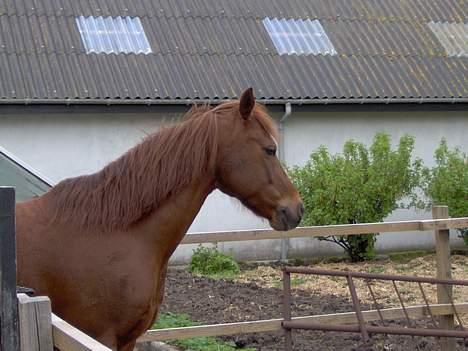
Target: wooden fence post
pixel 9 338
pixel 35 318
pixel 444 292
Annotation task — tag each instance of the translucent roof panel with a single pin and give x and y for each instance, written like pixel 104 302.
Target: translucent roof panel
pixel 113 35
pixel 299 37
pixel 15 173
pixel 452 36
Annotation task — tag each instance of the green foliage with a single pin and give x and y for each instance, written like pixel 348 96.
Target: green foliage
pixel 447 182
pixel 212 263
pixel 361 185
pixel 172 320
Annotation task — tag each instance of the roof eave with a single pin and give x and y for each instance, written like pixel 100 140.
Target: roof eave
pixel 151 102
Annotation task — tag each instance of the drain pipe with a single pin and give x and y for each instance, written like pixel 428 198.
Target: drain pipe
pixel 282 158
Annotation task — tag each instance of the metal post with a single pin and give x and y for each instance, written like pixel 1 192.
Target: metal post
pixel 444 291
pixel 282 158
pixel 9 330
pixel 357 308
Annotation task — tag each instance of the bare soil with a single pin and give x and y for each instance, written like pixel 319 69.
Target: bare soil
pixel 256 294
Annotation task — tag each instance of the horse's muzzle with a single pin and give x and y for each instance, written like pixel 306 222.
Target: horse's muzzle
pixel 289 217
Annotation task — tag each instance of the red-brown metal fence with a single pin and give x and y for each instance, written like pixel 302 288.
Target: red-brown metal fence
pixel 361 326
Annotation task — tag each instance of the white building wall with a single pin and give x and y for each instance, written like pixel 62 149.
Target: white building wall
pixel 306 132
pixel 65 145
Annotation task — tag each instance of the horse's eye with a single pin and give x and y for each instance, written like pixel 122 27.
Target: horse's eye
pixel 271 151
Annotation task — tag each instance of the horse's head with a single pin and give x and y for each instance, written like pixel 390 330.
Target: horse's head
pixel 248 167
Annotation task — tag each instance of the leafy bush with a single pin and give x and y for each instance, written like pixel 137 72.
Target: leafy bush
pixel 358 186
pixel 212 263
pixel 447 182
pixel 172 320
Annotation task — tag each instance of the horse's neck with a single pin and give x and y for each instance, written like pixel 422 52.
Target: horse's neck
pixel 165 228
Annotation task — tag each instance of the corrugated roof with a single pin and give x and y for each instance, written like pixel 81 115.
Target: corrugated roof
pixel 213 49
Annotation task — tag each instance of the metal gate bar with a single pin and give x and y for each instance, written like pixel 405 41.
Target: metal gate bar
pixel 400 278
pixel 362 327
pixel 376 330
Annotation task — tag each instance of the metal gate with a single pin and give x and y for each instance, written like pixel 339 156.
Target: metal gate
pixel 362 327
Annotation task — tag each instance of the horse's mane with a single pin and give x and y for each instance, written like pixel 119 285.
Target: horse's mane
pixel 137 183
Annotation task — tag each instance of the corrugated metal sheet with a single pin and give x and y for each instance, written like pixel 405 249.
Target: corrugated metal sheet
pixel 221 76
pixel 213 49
pixel 382 10
pixel 452 36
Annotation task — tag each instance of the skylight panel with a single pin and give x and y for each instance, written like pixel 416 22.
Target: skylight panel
pixel 299 37
pixel 107 35
pixel 452 36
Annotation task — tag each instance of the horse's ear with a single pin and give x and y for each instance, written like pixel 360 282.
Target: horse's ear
pixel 247 103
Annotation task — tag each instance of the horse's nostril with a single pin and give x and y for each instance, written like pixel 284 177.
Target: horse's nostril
pixel 284 213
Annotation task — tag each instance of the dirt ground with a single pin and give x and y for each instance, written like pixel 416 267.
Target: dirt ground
pixel 256 294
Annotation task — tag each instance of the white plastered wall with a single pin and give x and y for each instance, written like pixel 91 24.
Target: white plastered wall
pixel 61 145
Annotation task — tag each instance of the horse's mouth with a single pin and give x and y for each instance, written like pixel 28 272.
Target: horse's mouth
pixel 287 218
pixel 280 225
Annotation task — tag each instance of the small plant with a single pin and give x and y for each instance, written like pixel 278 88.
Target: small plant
pixel 361 185
pixel 447 182
pixel 298 281
pixel 213 263
pixel 173 320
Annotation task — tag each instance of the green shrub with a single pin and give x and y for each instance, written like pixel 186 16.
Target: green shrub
pixel 172 320
pixel 358 186
pixel 447 182
pixel 212 263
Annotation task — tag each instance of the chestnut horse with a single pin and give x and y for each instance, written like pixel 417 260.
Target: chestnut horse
pixel 98 245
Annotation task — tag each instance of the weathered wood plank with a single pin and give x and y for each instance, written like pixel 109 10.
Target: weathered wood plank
pixel 342 229
pixel 9 338
pixel 275 324
pixel 444 292
pixel 68 338
pixel 35 323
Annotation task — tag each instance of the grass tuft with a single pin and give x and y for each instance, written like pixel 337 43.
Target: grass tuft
pixel 173 320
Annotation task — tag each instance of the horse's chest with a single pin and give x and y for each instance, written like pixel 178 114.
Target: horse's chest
pixel 141 310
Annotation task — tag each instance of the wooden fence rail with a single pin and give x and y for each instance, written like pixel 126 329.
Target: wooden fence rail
pixel 272 325
pixel 326 230
pixel 68 338
pixel 440 225
pixel 41 330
